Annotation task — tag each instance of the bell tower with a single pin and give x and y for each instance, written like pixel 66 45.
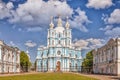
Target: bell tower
pixel 51 33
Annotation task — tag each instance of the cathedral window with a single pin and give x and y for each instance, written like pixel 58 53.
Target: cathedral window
pixel 70 55
pixel 76 56
pixel 59 42
pixel 52 42
pixel 59 35
pixel 52 33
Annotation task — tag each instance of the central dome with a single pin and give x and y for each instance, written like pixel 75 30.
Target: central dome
pixel 59 29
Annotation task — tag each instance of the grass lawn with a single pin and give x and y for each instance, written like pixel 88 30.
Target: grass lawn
pixel 47 76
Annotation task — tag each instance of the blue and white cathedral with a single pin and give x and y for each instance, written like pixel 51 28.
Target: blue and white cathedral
pixel 59 55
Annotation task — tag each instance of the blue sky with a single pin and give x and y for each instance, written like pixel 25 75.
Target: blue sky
pixel 24 23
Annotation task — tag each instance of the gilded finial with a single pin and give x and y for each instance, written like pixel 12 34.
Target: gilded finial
pixel 67 23
pixel 51 24
pixel 59 21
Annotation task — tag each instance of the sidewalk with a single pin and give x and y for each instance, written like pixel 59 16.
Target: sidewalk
pixel 25 73
pixel 101 77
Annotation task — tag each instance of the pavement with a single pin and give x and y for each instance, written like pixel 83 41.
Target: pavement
pixel 101 77
pixel 25 73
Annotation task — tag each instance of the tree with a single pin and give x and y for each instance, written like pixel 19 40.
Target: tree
pixel 24 61
pixel 88 62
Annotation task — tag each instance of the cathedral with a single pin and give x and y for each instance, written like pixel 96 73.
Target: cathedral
pixel 59 55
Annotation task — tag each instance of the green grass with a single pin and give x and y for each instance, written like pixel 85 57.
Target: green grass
pixel 47 76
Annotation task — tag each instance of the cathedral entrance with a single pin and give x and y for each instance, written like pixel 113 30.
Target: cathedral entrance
pixel 58 66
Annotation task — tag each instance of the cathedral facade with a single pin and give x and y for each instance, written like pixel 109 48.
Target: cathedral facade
pixel 59 55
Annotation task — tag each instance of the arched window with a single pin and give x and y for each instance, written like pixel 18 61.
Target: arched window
pixel 52 42
pixel 59 42
pixel 59 35
pixel 69 42
pixel 70 54
pixel 76 55
pixel 8 56
pixel 70 64
pixel 76 65
pixel 52 33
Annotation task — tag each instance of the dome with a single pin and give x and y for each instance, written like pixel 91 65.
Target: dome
pixel 59 29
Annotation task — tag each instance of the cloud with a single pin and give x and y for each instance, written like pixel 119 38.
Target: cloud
pixel 80 20
pixel 81 43
pixel 12 43
pixel 113 32
pixel 30 44
pixel 37 13
pixel 114 17
pixel 5 9
pixel 34 29
pixel 90 43
pixel 108 27
pixel 99 4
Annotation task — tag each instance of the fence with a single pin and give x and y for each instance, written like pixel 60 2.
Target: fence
pixel 79 69
pixel 71 69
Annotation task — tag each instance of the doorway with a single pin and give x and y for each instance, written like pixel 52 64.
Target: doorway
pixel 58 66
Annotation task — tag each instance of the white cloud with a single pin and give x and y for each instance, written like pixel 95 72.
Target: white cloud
pixel 34 29
pixel 5 9
pixel 12 43
pixel 114 17
pixel 10 5
pixel 90 43
pixel 114 32
pixel 99 4
pixel 111 29
pixel 81 43
pixel 80 20
pixel 108 27
pixel 30 44
pixel 37 13
pixel 19 29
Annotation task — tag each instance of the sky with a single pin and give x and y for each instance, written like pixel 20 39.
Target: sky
pixel 24 23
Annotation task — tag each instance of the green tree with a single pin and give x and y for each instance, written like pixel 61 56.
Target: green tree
pixel 24 61
pixel 88 62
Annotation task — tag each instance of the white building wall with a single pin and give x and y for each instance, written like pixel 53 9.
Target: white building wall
pixel 106 60
pixel 118 56
pixel 8 62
